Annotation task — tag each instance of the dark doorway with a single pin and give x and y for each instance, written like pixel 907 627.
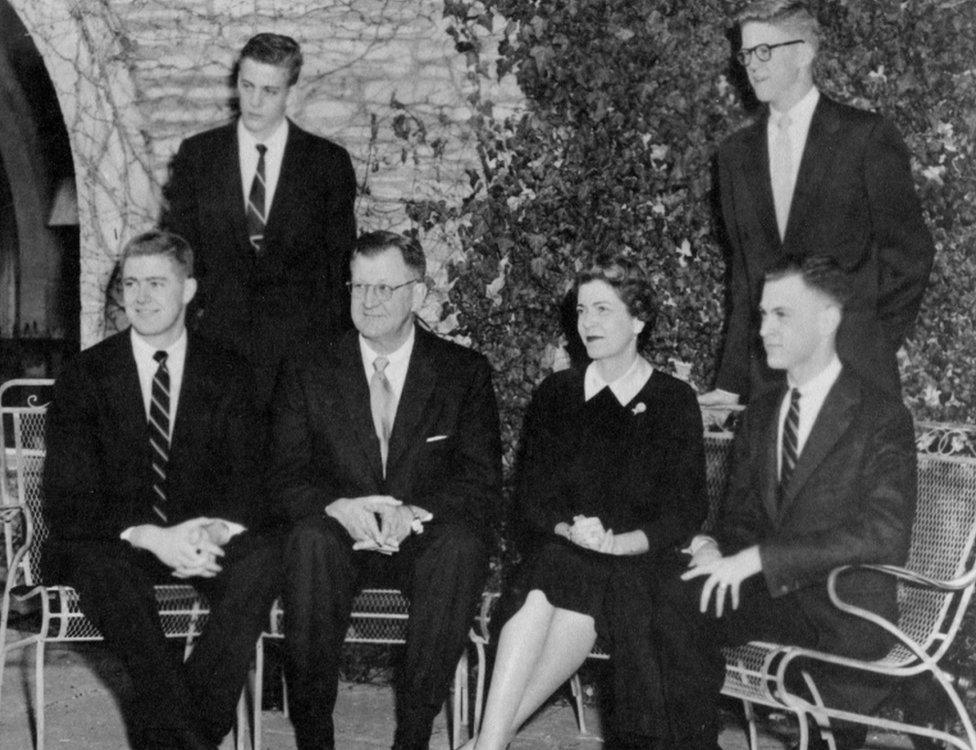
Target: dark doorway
pixel 39 241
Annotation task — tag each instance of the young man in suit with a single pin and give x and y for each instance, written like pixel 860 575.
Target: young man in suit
pixel 811 173
pixel 268 208
pixel 823 475
pixel 387 461
pixel 152 476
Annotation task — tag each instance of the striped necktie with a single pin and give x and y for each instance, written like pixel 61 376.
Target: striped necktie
pixel 255 205
pixel 381 402
pixel 789 448
pixel 159 435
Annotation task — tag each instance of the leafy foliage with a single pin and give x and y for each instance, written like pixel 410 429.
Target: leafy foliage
pixel 628 100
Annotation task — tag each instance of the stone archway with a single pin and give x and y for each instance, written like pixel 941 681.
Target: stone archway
pixel 83 50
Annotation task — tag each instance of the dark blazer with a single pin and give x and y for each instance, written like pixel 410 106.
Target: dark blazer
pixel 445 449
pixel 854 200
pixel 97 472
pixel 263 307
pixel 851 500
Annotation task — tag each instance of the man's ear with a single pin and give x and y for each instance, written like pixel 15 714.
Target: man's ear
pixel 189 290
pixel 419 295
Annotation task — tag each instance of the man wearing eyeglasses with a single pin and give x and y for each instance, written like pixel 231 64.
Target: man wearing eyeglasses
pixel 812 175
pixel 387 463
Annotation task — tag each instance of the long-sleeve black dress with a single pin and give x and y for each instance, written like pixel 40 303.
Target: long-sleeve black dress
pixel 635 466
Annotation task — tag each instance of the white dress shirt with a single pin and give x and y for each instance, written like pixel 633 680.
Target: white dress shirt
pixel 396 370
pixel 800 115
pixel 143 352
pixel 147 366
pixel 247 154
pixel 623 388
pixel 813 393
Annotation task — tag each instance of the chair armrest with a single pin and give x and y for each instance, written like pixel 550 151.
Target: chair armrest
pixel 792 653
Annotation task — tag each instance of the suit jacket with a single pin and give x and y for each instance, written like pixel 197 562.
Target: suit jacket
pixel 445 448
pixel 854 200
pixel 97 471
pixel 263 307
pixel 851 500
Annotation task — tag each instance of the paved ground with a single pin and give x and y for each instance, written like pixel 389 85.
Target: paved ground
pixel 85 688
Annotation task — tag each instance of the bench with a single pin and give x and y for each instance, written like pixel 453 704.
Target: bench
pixel 935 588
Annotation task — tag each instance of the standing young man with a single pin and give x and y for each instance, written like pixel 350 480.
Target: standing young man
pixel 811 173
pixel 268 208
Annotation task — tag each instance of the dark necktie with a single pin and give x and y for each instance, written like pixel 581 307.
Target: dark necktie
pixel 381 402
pixel 789 448
pixel 159 435
pixel 255 205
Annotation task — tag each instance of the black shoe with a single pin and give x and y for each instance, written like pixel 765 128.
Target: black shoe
pixel 849 737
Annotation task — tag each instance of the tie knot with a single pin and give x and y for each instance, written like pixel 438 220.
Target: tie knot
pixel 794 396
pixel 784 122
pixel 160 357
pixel 261 149
pixel 380 363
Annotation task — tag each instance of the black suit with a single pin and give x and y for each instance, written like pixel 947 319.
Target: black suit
pixel 264 307
pixel 854 200
pixel 851 500
pixel 98 482
pixel 444 456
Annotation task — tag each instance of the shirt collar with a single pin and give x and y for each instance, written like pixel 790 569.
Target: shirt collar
pixel 274 142
pixel 623 388
pixel 397 357
pixel 820 383
pixel 800 113
pixel 145 349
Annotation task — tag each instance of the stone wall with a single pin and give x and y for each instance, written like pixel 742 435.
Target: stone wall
pixel 134 77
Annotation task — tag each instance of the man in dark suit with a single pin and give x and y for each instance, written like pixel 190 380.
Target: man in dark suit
pixel 152 476
pixel 268 208
pixel 809 174
pixel 387 460
pixel 823 475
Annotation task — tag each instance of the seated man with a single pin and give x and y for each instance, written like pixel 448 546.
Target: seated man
pixel 152 477
pixel 387 460
pixel 823 474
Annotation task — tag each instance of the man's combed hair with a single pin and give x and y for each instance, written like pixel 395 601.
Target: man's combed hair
pixel 157 242
pixel 820 272
pixel 373 243
pixel 275 49
pixel 630 284
pixel 793 14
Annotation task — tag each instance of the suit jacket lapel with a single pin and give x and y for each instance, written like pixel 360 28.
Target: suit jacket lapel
pixel 231 191
pixel 288 190
pixel 770 457
pixel 815 165
pixel 191 397
pixel 353 391
pixel 125 392
pixel 417 390
pixel 832 422
pixel 755 168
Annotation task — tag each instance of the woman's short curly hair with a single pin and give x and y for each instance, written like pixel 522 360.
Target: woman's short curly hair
pixel 631 285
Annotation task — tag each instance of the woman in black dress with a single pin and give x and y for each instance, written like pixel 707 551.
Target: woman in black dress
pixel 611 479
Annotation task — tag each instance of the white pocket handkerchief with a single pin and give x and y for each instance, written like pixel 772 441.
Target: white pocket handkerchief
pixel 435 438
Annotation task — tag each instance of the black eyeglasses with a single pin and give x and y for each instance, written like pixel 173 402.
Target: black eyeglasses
pixel 384 292
pixel 762 51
